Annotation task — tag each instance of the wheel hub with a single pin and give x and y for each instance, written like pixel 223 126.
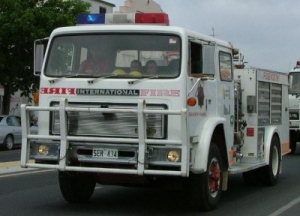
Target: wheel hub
pixel 214 176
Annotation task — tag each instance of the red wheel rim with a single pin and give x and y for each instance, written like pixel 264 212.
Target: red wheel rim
pixel 214 177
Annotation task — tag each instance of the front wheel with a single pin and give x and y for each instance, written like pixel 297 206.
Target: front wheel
pixel 206 188
pixel 77 187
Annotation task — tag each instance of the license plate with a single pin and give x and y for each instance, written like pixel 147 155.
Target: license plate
pixel 105 153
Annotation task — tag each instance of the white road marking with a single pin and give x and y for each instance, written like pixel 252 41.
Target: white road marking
pixel 23 173
pixel 286 207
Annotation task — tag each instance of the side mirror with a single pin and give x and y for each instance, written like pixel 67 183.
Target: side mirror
pixel 38 58
pixel 39 51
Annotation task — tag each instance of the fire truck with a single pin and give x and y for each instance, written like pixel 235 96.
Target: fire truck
pixel 191 124
pixel 294 106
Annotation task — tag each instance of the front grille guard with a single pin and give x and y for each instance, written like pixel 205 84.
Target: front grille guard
pixel 141 140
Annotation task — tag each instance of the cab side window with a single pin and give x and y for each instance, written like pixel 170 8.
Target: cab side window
pixel 196 58
pixel 225 65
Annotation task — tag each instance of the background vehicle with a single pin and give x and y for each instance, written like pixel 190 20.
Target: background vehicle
pixel 191 125
pixel 10 131
pixel 294 106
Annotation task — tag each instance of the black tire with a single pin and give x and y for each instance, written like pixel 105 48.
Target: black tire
pixel 9 142
pixel 293 142
pixel 267 175
pixel 206 188
pixel 77 187
pixel 270 173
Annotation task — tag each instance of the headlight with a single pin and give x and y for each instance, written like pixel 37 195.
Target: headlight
pixel 173 156
pixel 43 150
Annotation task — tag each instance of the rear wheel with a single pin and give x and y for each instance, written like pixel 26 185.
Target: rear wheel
pixel 267 175
pixel 206 188
pixel 77 187
pixel 270 173
pixel 9 142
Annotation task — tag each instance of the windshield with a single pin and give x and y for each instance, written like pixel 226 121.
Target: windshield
pixel 114 56
pixel 294 79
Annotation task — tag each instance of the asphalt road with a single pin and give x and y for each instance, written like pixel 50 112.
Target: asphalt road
pixel 13 155
pixel 37 193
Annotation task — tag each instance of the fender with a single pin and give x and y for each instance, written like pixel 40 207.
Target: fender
pixel 202 148
pixel 269 133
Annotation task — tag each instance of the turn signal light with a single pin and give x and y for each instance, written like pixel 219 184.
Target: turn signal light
pixel 192 101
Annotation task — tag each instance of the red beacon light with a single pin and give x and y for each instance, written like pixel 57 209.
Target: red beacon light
pixel 123 18
pixel 152 18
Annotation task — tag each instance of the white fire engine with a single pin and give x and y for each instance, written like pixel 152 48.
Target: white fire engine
pixel 193 122
pixel 294 106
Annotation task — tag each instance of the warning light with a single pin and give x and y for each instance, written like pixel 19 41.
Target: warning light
pixel 152 18
pixel 84 19
pixel 192 101
pixel 35 97
pixel 123 18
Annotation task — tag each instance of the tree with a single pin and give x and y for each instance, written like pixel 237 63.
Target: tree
pixel 22 22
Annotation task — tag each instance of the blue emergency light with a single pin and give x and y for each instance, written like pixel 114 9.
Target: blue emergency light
pixel 123 18
pixel 84 19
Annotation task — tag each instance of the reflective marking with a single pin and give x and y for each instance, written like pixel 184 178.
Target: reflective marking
pixel 286 207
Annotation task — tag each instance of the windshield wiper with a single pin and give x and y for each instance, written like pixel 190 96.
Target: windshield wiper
pixel 70 75
pixel 97 78
pixel 142 79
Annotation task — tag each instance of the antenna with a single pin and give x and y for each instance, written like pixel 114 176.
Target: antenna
pixel 213 32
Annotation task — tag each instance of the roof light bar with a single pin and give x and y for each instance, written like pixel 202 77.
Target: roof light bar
pixel 123 18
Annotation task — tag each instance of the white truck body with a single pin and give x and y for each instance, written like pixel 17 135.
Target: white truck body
pixel 128 129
